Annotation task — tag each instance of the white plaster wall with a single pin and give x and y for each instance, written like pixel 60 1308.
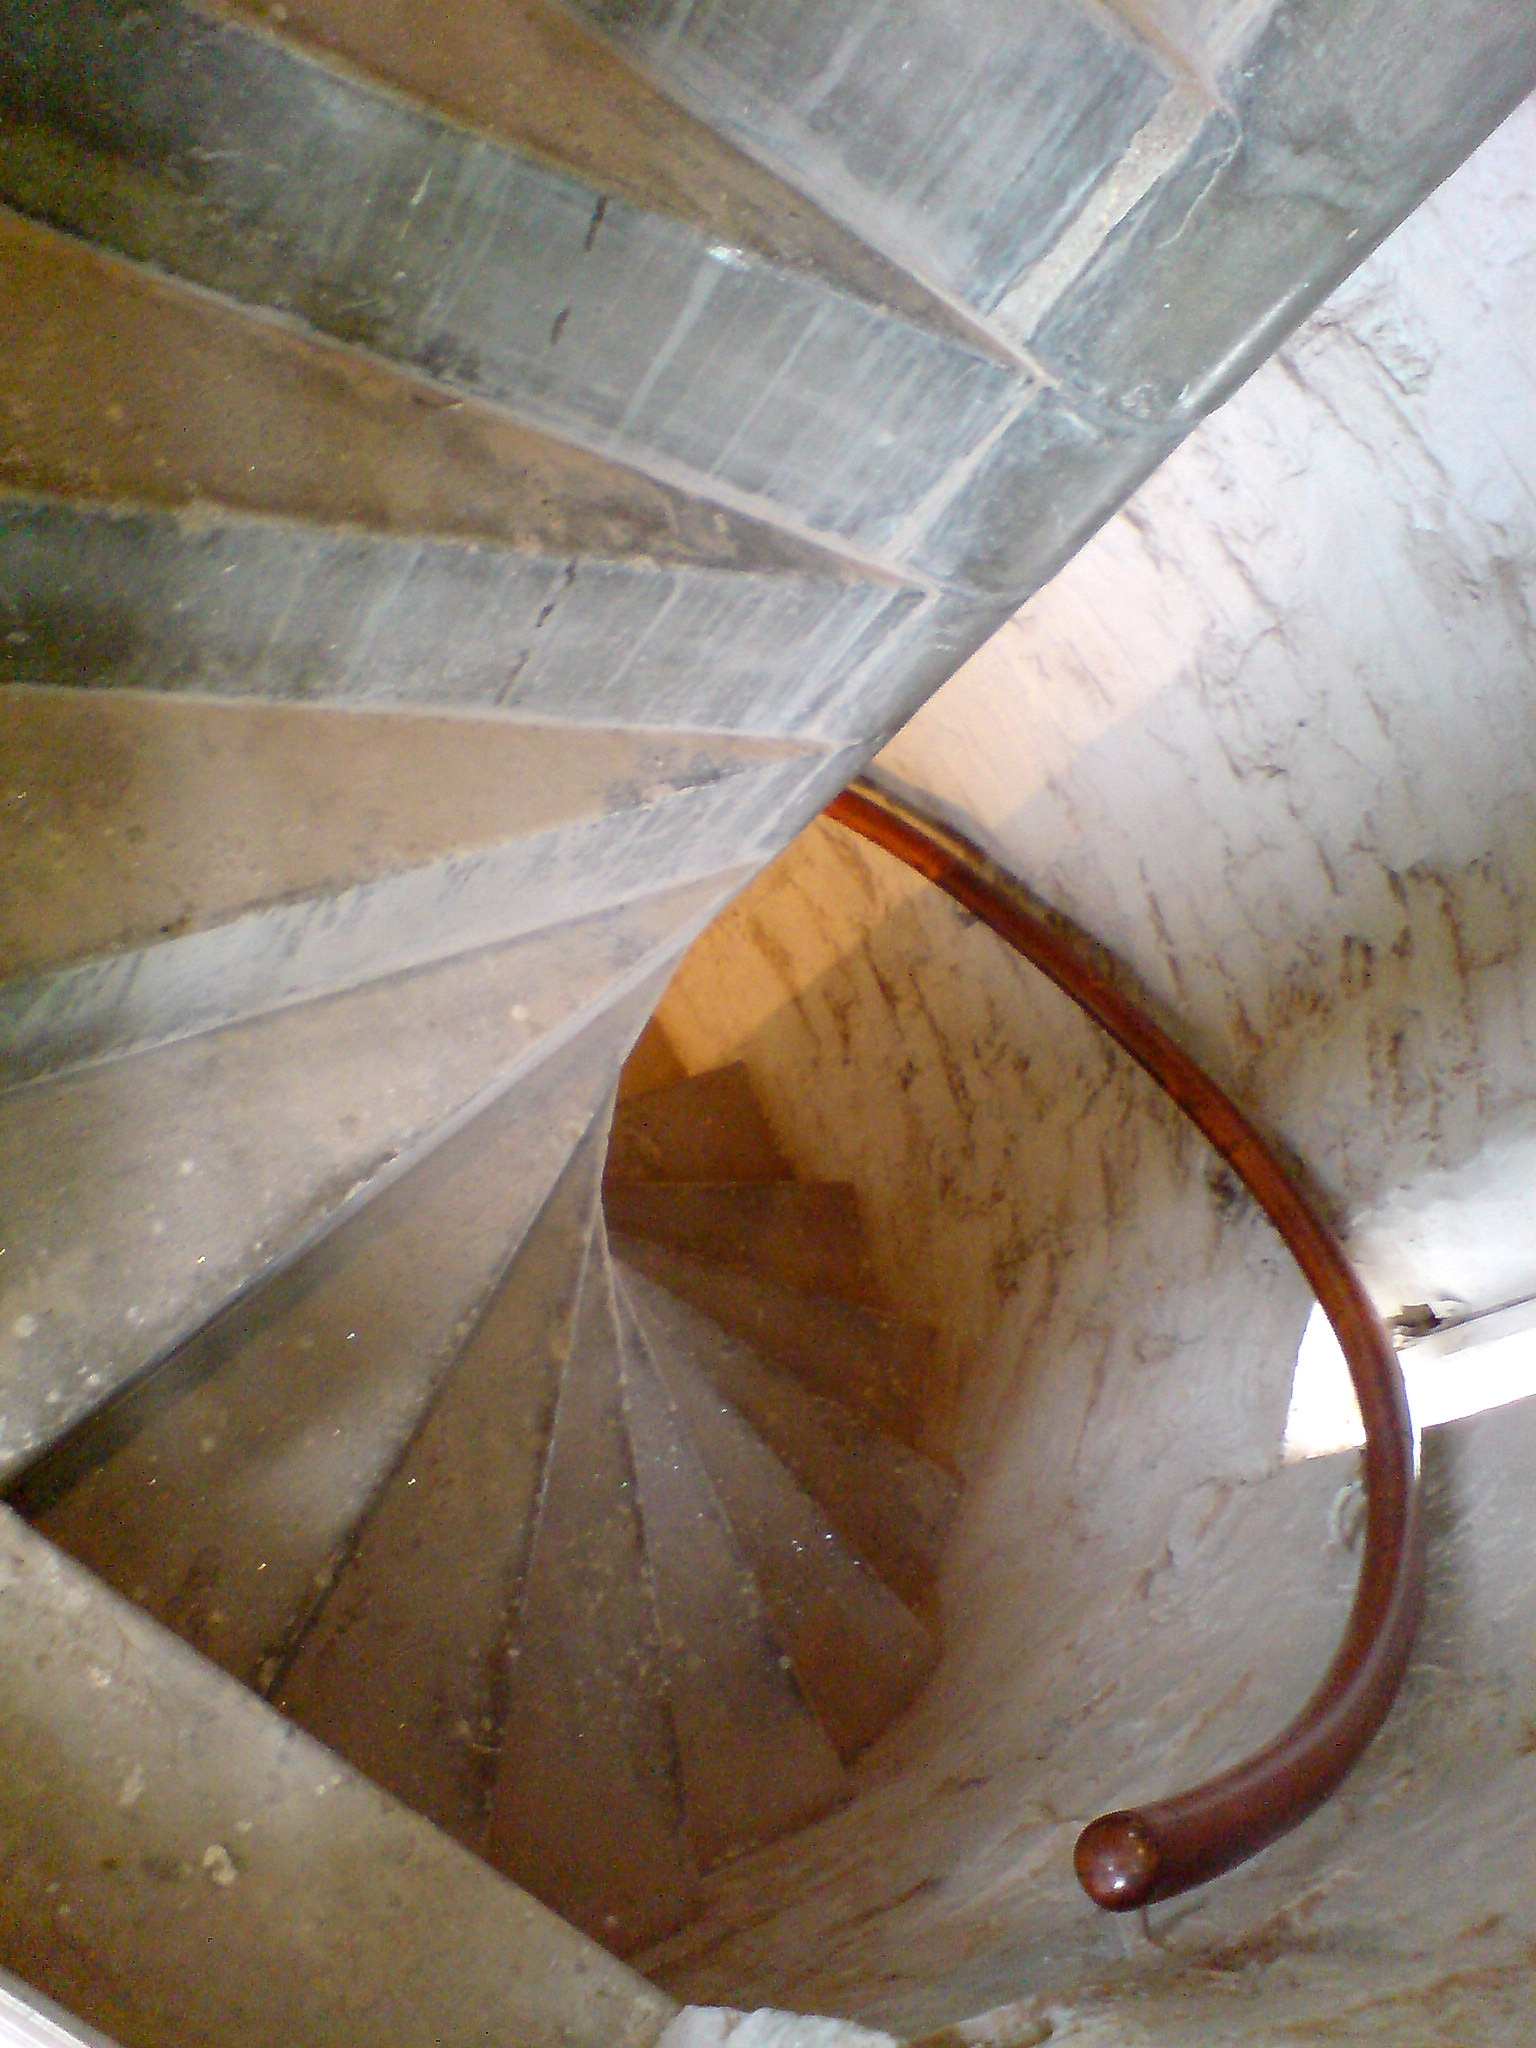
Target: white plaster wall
pixel 1272 736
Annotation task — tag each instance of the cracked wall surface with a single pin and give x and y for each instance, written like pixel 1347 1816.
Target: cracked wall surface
pixel 1272 737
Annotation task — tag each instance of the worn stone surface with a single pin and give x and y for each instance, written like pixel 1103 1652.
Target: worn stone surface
pixel 182 1865
pixel 968 140
pixel 530 75
pixel 129 820
pixel 875 1364
pixel 804 1233
pixel 703 1128
pixel 859 1655
pixel 281 930
pixel 144 1194
pixel 893 1507
pixel 587 1807
pixel 753 1759
pixel 226 1491
pixel 403 1670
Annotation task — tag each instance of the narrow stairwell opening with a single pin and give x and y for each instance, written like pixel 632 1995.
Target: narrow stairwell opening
pixel 608 1554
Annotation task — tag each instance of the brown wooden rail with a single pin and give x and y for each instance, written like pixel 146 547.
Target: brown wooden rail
pixel 1133 1858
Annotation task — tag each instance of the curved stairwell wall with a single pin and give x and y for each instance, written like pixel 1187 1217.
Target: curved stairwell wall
pixel 1270 735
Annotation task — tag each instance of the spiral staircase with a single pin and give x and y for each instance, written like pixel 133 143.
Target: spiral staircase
pixel 621 1581
pixel 475 480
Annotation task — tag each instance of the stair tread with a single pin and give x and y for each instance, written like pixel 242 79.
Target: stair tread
pixel 342 204
pixel 709 1127
pixel 881 1366
pixel 252 417
pixel 231 1881
pixel 531 75
pixel 753 1759
pixel 586 1809
pixel 143 1195
pixel 222 1494
pixel 859 1653
pixel 202 929
pixel 233 808
pixel 805 1234
pixel 970 187
pixel 652 1064
pixel 891 1505
pixel 401 1671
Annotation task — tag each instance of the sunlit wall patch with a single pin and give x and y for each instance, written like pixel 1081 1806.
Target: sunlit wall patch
pixel 1458 1363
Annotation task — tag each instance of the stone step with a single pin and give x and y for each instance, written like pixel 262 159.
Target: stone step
pixel 805 1234
pixel 891 1506
pixel 966 139
pixel 653 1064
pixel 403 1670
pixel 860 1656
pixel 224 1491
pixel 1130 335
pixel 145 1195
pixel 539 81
pixel 708 1127
pixel 587 1807
pixel 179 400
pixel 184 1867
pixel 308 191
pixel 197 500
pixel 754 1762
pixel 185 865
pixel 879 1366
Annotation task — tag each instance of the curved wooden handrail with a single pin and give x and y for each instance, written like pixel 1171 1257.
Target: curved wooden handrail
pixel 1133 1858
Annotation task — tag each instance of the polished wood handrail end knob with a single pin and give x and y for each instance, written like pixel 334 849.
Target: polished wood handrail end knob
pixel 1117 1861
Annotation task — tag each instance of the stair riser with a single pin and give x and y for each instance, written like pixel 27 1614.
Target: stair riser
pixel 262 607
pixel 892 1508
pixel 804 1235
pixel 966 139
pixel 586 1810
pixel 707 1127
pixel 528 74
pixel 147 1194
pixel 403 1671
pixel 284 185
pixel 860 1657
pixel 880 1368
pixel 753 1760
pixel 224 1493
pixel 300 952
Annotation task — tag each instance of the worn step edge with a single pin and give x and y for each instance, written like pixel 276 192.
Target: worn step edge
pixel 754 1761
pixel 398 1665
pixel 61 1438
pixel 881 1366
pixel 586 1809
pixel 805 1234
pixel 260 1462
pixel 891 1505
pixel 230 809
pixel 617 132
pixel 201 1841
pixel 120 1004
pixel 705 1127
pixel 170 395
pixel 859 1653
